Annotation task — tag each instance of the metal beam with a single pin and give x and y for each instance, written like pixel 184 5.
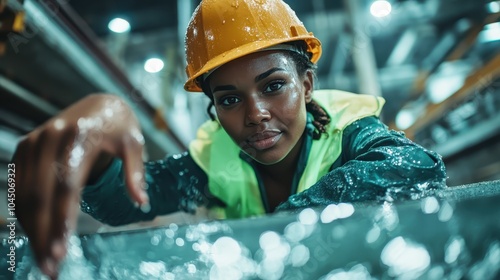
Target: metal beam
pixel 474 83
pixel 27 96
pixel 362 51
pixel 455 51
pixel 441 54
pixel 403 49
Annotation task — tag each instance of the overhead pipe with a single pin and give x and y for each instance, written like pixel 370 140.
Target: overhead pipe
pixel 362 51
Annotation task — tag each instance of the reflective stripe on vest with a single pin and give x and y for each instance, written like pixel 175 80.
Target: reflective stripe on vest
pixel 233 180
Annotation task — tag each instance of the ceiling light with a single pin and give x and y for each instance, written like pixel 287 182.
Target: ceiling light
pixel 490 33
pixel 493 7
pixel 119 25
pixel 153 65
pixel 380 8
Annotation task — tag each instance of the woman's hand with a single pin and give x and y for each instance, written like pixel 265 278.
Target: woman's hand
pixel 56 160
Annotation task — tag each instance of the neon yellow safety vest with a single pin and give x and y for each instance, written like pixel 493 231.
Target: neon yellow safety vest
pixel 233 180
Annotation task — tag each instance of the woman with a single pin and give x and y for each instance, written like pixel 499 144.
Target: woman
pixel 274 143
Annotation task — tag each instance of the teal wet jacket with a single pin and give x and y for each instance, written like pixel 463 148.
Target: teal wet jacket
pixel 374 163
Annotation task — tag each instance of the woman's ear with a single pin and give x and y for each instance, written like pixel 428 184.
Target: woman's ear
pixel 308 85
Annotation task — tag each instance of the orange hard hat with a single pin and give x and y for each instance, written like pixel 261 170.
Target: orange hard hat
pixel 223 30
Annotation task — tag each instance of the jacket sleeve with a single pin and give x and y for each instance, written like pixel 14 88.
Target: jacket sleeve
pixel 376 163
pixel 174 183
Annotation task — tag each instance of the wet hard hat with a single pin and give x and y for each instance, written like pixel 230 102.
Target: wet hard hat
pixel 223 30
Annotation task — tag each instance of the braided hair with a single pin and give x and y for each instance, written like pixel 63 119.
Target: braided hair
pixel 303 63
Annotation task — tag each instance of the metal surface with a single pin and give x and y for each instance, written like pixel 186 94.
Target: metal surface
pixel 27 96
pixel 454 234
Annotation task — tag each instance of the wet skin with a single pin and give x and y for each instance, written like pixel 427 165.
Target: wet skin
pixel 55 161
pixel 263 109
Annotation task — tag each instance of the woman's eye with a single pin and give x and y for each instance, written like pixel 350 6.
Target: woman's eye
pixel 274 86
pixel 227 101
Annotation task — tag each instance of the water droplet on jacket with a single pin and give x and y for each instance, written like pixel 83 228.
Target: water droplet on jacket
pixel 176 156
pixel 193 180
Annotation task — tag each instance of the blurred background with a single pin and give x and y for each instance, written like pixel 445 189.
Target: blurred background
pixel 436 62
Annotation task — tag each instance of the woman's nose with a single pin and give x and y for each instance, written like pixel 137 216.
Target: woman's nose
pixel 256 112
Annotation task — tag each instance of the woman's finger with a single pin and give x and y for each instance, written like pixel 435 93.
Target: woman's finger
pixel 35 202
pixel 134 168
pixel 73 161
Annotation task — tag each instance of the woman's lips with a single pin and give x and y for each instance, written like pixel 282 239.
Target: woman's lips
pixel 264 140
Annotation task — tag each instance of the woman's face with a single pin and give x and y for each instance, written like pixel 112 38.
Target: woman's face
pixel 260 102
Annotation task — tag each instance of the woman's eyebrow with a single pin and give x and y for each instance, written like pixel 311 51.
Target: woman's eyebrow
pixel 267 73
pixel 257 78
pixel 224 87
